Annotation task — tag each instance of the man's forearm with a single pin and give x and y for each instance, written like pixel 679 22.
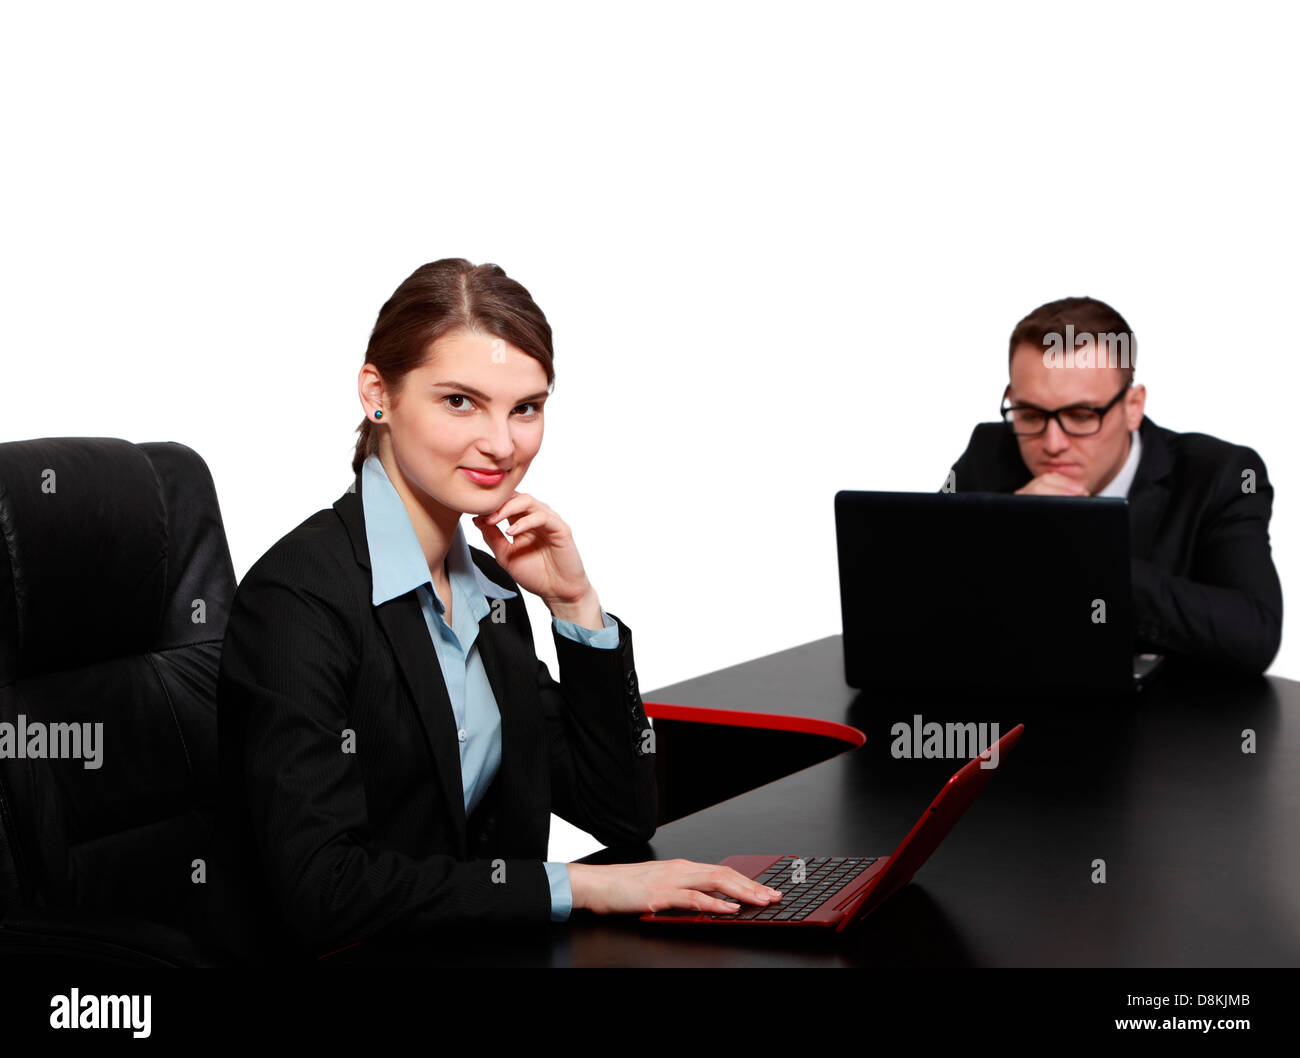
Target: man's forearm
pixel 1225 626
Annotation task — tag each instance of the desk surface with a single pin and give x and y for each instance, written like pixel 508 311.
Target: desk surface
pixel 1199 839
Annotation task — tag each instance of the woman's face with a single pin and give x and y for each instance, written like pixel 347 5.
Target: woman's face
pixel 468 422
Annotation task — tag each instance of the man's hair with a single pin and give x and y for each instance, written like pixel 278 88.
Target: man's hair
pixel 1112 338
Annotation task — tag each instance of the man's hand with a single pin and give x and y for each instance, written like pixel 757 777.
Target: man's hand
pixel 1053 483
pixel 660 884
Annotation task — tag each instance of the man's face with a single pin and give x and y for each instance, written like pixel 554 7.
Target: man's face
pixel 1093 460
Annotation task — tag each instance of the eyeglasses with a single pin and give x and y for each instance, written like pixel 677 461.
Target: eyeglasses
pixel 1078 420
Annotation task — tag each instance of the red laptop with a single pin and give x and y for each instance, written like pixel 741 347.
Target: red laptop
pixel 833 892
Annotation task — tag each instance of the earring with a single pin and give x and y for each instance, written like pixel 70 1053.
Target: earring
pixel 379 414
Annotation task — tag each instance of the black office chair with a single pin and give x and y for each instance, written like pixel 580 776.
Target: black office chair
pixel 115 587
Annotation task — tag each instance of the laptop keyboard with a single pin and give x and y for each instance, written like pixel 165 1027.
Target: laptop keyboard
pixel 823 877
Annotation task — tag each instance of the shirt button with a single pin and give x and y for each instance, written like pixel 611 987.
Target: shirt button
pixel 460 735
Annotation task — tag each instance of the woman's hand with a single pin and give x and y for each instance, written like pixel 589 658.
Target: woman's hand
pixel 660 884
pixel 542 558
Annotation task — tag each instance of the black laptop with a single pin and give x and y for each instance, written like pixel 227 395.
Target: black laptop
pixel 987 591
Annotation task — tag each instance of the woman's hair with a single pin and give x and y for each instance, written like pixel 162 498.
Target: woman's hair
pixel 440 297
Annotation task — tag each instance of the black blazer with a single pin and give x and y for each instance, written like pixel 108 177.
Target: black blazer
pixel 1204 584
pixel 339 846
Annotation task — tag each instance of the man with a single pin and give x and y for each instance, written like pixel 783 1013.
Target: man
pixel 1204 584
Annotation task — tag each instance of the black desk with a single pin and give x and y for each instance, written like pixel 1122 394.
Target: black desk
pixel 1200 841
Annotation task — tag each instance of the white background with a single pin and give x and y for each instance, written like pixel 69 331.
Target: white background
pixel 781 248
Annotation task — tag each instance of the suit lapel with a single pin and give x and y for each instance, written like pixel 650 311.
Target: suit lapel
pixel 504 666
pixel 503 662
pixel 1149 492
pixel 403 622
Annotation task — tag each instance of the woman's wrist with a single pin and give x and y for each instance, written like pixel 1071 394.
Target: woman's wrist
pixel 585 611
pixel 578 878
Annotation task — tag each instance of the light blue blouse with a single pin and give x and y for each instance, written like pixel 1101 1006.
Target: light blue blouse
pixel 398 565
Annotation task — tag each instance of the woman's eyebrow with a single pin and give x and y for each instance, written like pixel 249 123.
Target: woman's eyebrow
pixel 460 386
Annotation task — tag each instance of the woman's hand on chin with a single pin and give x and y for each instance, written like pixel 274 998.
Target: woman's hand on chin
pixel 542 558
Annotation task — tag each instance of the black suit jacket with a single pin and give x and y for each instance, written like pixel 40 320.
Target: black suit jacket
pixel 1204 584
pixel 339 846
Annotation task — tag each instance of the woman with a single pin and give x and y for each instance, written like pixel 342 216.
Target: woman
pixel 398 745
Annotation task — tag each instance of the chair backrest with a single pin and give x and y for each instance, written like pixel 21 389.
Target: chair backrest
pixel 115 586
